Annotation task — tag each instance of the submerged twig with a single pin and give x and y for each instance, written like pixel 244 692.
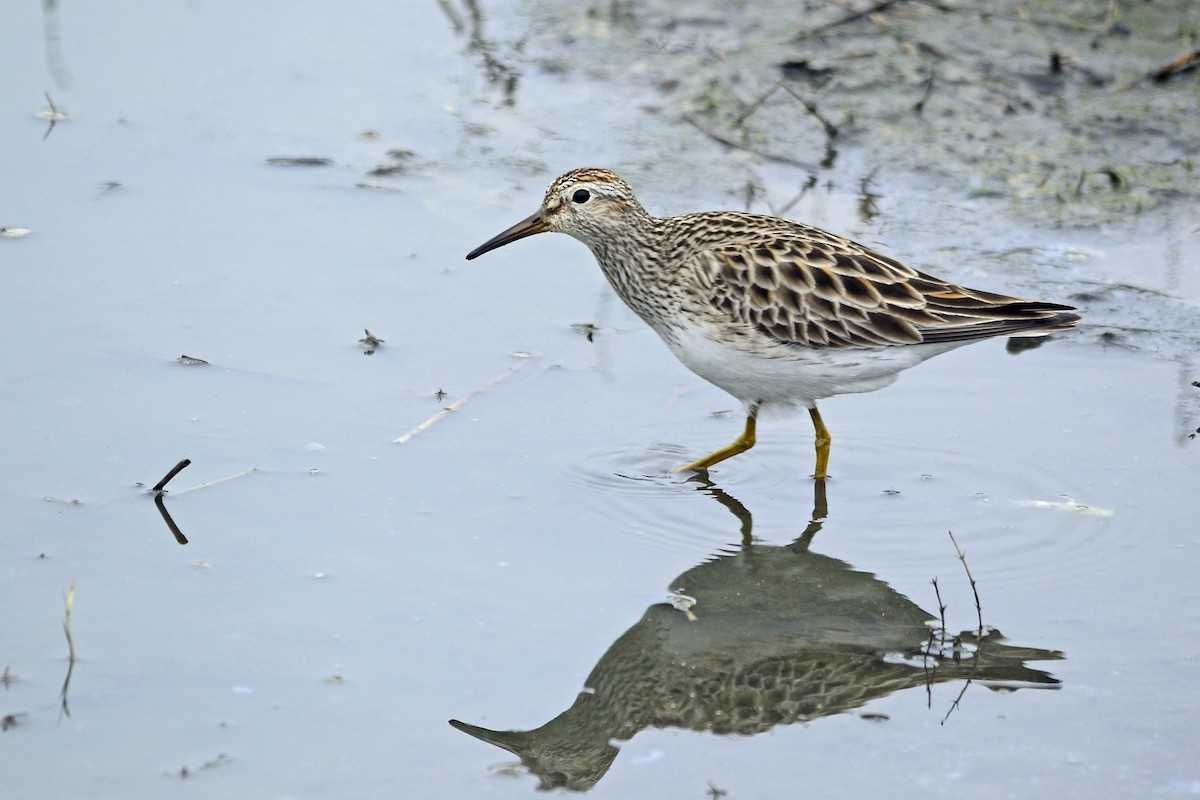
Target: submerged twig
pixel 1184 63
pixel 963 558
pixel 883 5
pixel 756 103
pixel 831 130
pixel 207 484
pixel 725 140
pixel 457 404
pixel 919 106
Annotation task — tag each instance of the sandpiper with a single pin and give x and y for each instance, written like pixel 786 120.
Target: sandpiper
pixel 777 313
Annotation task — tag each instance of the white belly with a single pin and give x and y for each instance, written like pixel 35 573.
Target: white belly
pixel 783 375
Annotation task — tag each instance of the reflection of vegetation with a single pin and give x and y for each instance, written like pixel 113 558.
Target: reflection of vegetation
pixel 776 635
pixel 70 603
pixel 469 20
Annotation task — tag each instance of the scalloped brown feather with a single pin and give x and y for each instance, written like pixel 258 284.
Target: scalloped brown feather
pixel 801 285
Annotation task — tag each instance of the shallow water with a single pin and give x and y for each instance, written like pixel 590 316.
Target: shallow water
pixel 336 606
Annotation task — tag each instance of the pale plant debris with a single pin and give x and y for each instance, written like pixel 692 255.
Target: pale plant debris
pixel 53 113
pixel 682 602
pixel 14 232
pixel 457 404
pixel 1067 504
pixel 208 484
pixel 192 361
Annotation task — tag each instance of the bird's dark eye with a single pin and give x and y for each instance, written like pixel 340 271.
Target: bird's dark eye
pixel 581 196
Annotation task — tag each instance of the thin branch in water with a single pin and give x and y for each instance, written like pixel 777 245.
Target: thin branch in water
pixel 963 558
pixel 457 404
pixel 207 484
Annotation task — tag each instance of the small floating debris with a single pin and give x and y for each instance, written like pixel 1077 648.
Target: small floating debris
pixel 1066 504
pixel 588 329
pixel 191 361
pixel 299 161
pixel 11 720
pixel 402 160
pixel 15 232
pixel 370 342
pixel 184 772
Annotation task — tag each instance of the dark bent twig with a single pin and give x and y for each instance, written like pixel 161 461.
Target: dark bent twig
pixel 158 487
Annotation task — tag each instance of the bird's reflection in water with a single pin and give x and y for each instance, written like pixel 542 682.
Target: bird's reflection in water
pixel 776 635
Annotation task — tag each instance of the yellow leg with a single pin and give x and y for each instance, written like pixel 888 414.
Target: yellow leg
pixel 738 445
pixel 822 442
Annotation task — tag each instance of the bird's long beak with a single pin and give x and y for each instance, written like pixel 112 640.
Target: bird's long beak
pixel 532 224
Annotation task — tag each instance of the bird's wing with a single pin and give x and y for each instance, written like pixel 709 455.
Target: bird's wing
pixel 804 286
